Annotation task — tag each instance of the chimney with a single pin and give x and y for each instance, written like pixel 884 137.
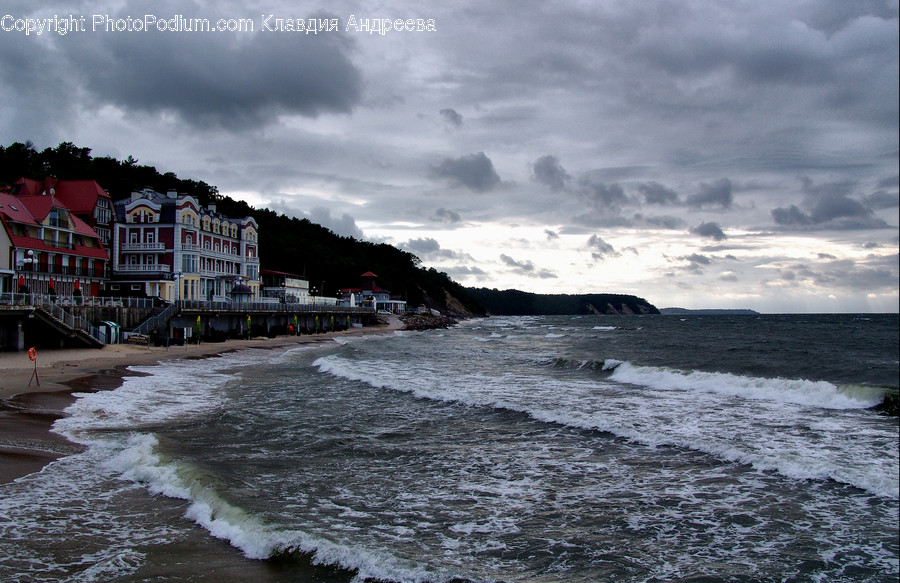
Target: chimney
pixel 212 207
pixel 172 194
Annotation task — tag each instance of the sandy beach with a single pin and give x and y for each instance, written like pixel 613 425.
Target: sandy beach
pixel 30 404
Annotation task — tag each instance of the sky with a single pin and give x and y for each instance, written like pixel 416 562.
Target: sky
pixel 696 153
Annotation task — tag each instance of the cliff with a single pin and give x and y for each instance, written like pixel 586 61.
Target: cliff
pixel 518 303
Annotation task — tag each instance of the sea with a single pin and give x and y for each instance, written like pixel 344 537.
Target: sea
pixel 514 449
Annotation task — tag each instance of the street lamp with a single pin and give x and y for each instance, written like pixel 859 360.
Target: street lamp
pixel 177 278
pixel 29 258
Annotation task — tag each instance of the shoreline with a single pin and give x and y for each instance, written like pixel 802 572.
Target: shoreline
pixel 27 413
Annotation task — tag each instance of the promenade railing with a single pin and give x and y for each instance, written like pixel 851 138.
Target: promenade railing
pixel 310 307
pixel 55 306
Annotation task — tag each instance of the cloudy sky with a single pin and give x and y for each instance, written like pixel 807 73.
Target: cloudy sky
pixel 697 153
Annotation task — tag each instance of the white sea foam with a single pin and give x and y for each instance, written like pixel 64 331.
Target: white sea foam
pixel 798 391
pixel 186 389
pixel 763 433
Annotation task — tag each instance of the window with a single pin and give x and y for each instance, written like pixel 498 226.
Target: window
pixel 103 215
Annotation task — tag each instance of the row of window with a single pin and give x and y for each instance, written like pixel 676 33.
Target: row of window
pixel 215 226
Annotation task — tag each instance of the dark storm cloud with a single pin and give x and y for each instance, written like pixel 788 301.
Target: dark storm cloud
pixel 527 268
pixel 548 171
pixel 876 274
pixel 343 225
pixel 697 258
pixel 882 200
pixel 829 206
pixel 833 15
pixel 40 107
pixel 661 222
pixel 695 262
pixel 452 117
pixel 791 217
pixel 519 265
pixel 428 248
pixel 600 248
pixel 600 196
pixel 227 80
pixel 475 172
pixel 719 193
pixel 443 215
pixel 655 193
pixel 710 231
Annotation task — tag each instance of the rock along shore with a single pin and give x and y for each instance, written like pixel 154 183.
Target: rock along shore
pixel 426 322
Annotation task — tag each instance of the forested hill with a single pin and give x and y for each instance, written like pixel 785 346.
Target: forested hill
pixel 288 244
pixel 514 302
pixel 299 246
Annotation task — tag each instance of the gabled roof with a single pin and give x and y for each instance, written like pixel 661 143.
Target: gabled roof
pixel 79 196
pixel 28 187
pixel 34 210
pixel 38 206
pixel 14 209
pixel 273 272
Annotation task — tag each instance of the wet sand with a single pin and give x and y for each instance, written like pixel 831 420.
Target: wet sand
pixel 29 403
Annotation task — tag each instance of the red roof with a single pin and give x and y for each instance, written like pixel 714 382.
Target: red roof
pixel 368 274
pixel 79 196
pixel 273 272
pixel 14 209
pixel 28 187
pixel 33 210
pixel 39 207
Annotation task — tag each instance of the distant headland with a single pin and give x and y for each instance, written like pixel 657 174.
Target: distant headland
pixel 706 312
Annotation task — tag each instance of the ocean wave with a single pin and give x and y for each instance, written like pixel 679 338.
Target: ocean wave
pixel 798 391
pixel 119 425
pixel 764 435
pixel 141 463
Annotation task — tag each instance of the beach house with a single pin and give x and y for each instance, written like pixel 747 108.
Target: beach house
pixel 168 245
pixel 371 295
pixel 48 248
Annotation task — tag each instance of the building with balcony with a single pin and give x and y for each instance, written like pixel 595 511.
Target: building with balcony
pixel 371 295
pixel 48 249
pixel 168 245
pixel 84 198
pixel 288 288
